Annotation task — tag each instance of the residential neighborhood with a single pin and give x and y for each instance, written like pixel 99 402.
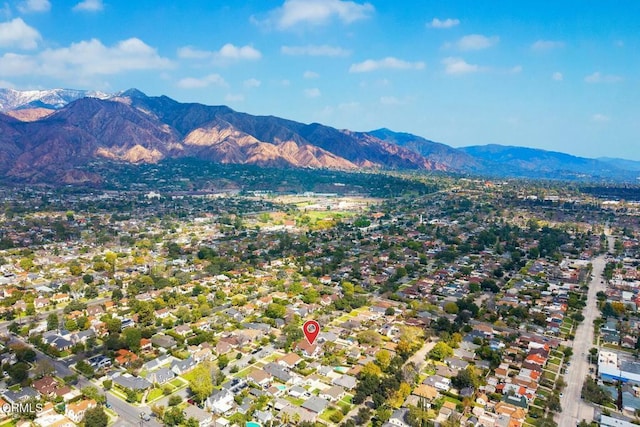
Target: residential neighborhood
pixel 460 307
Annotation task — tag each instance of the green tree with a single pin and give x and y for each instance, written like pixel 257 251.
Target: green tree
pixel 96 417
pixel 91 392
pixel 175 400
pixel 440 351
pixel 451 307
pixel 132 337
pixel 201 384
pixel 26 264
pixel 52 321
pixel 18 372
pixel 275 311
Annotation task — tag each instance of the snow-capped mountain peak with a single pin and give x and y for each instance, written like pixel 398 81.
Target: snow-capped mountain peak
pixel 11 99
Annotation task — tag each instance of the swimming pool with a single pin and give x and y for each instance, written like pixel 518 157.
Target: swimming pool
pixel 340 369
pixel 252 424
pixel 281 387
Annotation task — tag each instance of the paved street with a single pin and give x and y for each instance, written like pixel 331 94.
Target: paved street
pixel 574 409
pixel 128 415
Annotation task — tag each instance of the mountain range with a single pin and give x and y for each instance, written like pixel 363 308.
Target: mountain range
pixel 54 135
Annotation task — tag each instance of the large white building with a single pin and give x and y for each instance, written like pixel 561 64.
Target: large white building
pixel 612 367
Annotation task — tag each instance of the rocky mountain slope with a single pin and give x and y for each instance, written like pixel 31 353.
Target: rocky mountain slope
pixel 54 136
pixel 131 127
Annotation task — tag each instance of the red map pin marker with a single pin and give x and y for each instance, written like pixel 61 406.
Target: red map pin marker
pixel 311 329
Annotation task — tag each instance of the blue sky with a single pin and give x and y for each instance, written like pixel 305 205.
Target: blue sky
pixel 555 75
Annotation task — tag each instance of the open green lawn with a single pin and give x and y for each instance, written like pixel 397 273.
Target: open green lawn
pixel 177 383
pixel 154 394
pixel 347 399
pixel 553 368
pixel 297 402
pixel 272 357
pixel 243 373
pixel 8 423
pixel 452 400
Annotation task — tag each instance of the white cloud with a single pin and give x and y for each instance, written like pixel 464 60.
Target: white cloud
pixel 6 84
pixel 477 42
pixel 597 77
pixel 600 118
pixel 16 33
pixel 12 64
pixel 28 6
pixel 228 52
pixel 312 93
pixel 314 50
pixel 285 83
pixel 557 76
pixel 232 52
pixel 199 83
pixel 94 58
pixel 251 83
pixel 543 45
pixel 231 97
pixel 85 59
pixel 446 23
pixel 516 69
pixel 189 52
pixel 318 12
pixel 310 75
pixel 459 66
pixel 388 63
pixel 89 6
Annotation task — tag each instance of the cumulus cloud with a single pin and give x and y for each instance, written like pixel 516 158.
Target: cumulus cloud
pixel 388 63
pixel 28 6
pixel 458 66
pixel 202 82
pixel 94 58
pixel 12 64
pixel 445 23
pixel 477 42
pixel 232 52
pixel 313 50
pixel 251 83
pixel 598 77
pixel 228 52
pixel 317 12
pixel 557 76
pixel 86 59
pixel 310 75
pixel 89 6
pixel 600 118
pixel 544 45
pixel 16 33
pixel 312 92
